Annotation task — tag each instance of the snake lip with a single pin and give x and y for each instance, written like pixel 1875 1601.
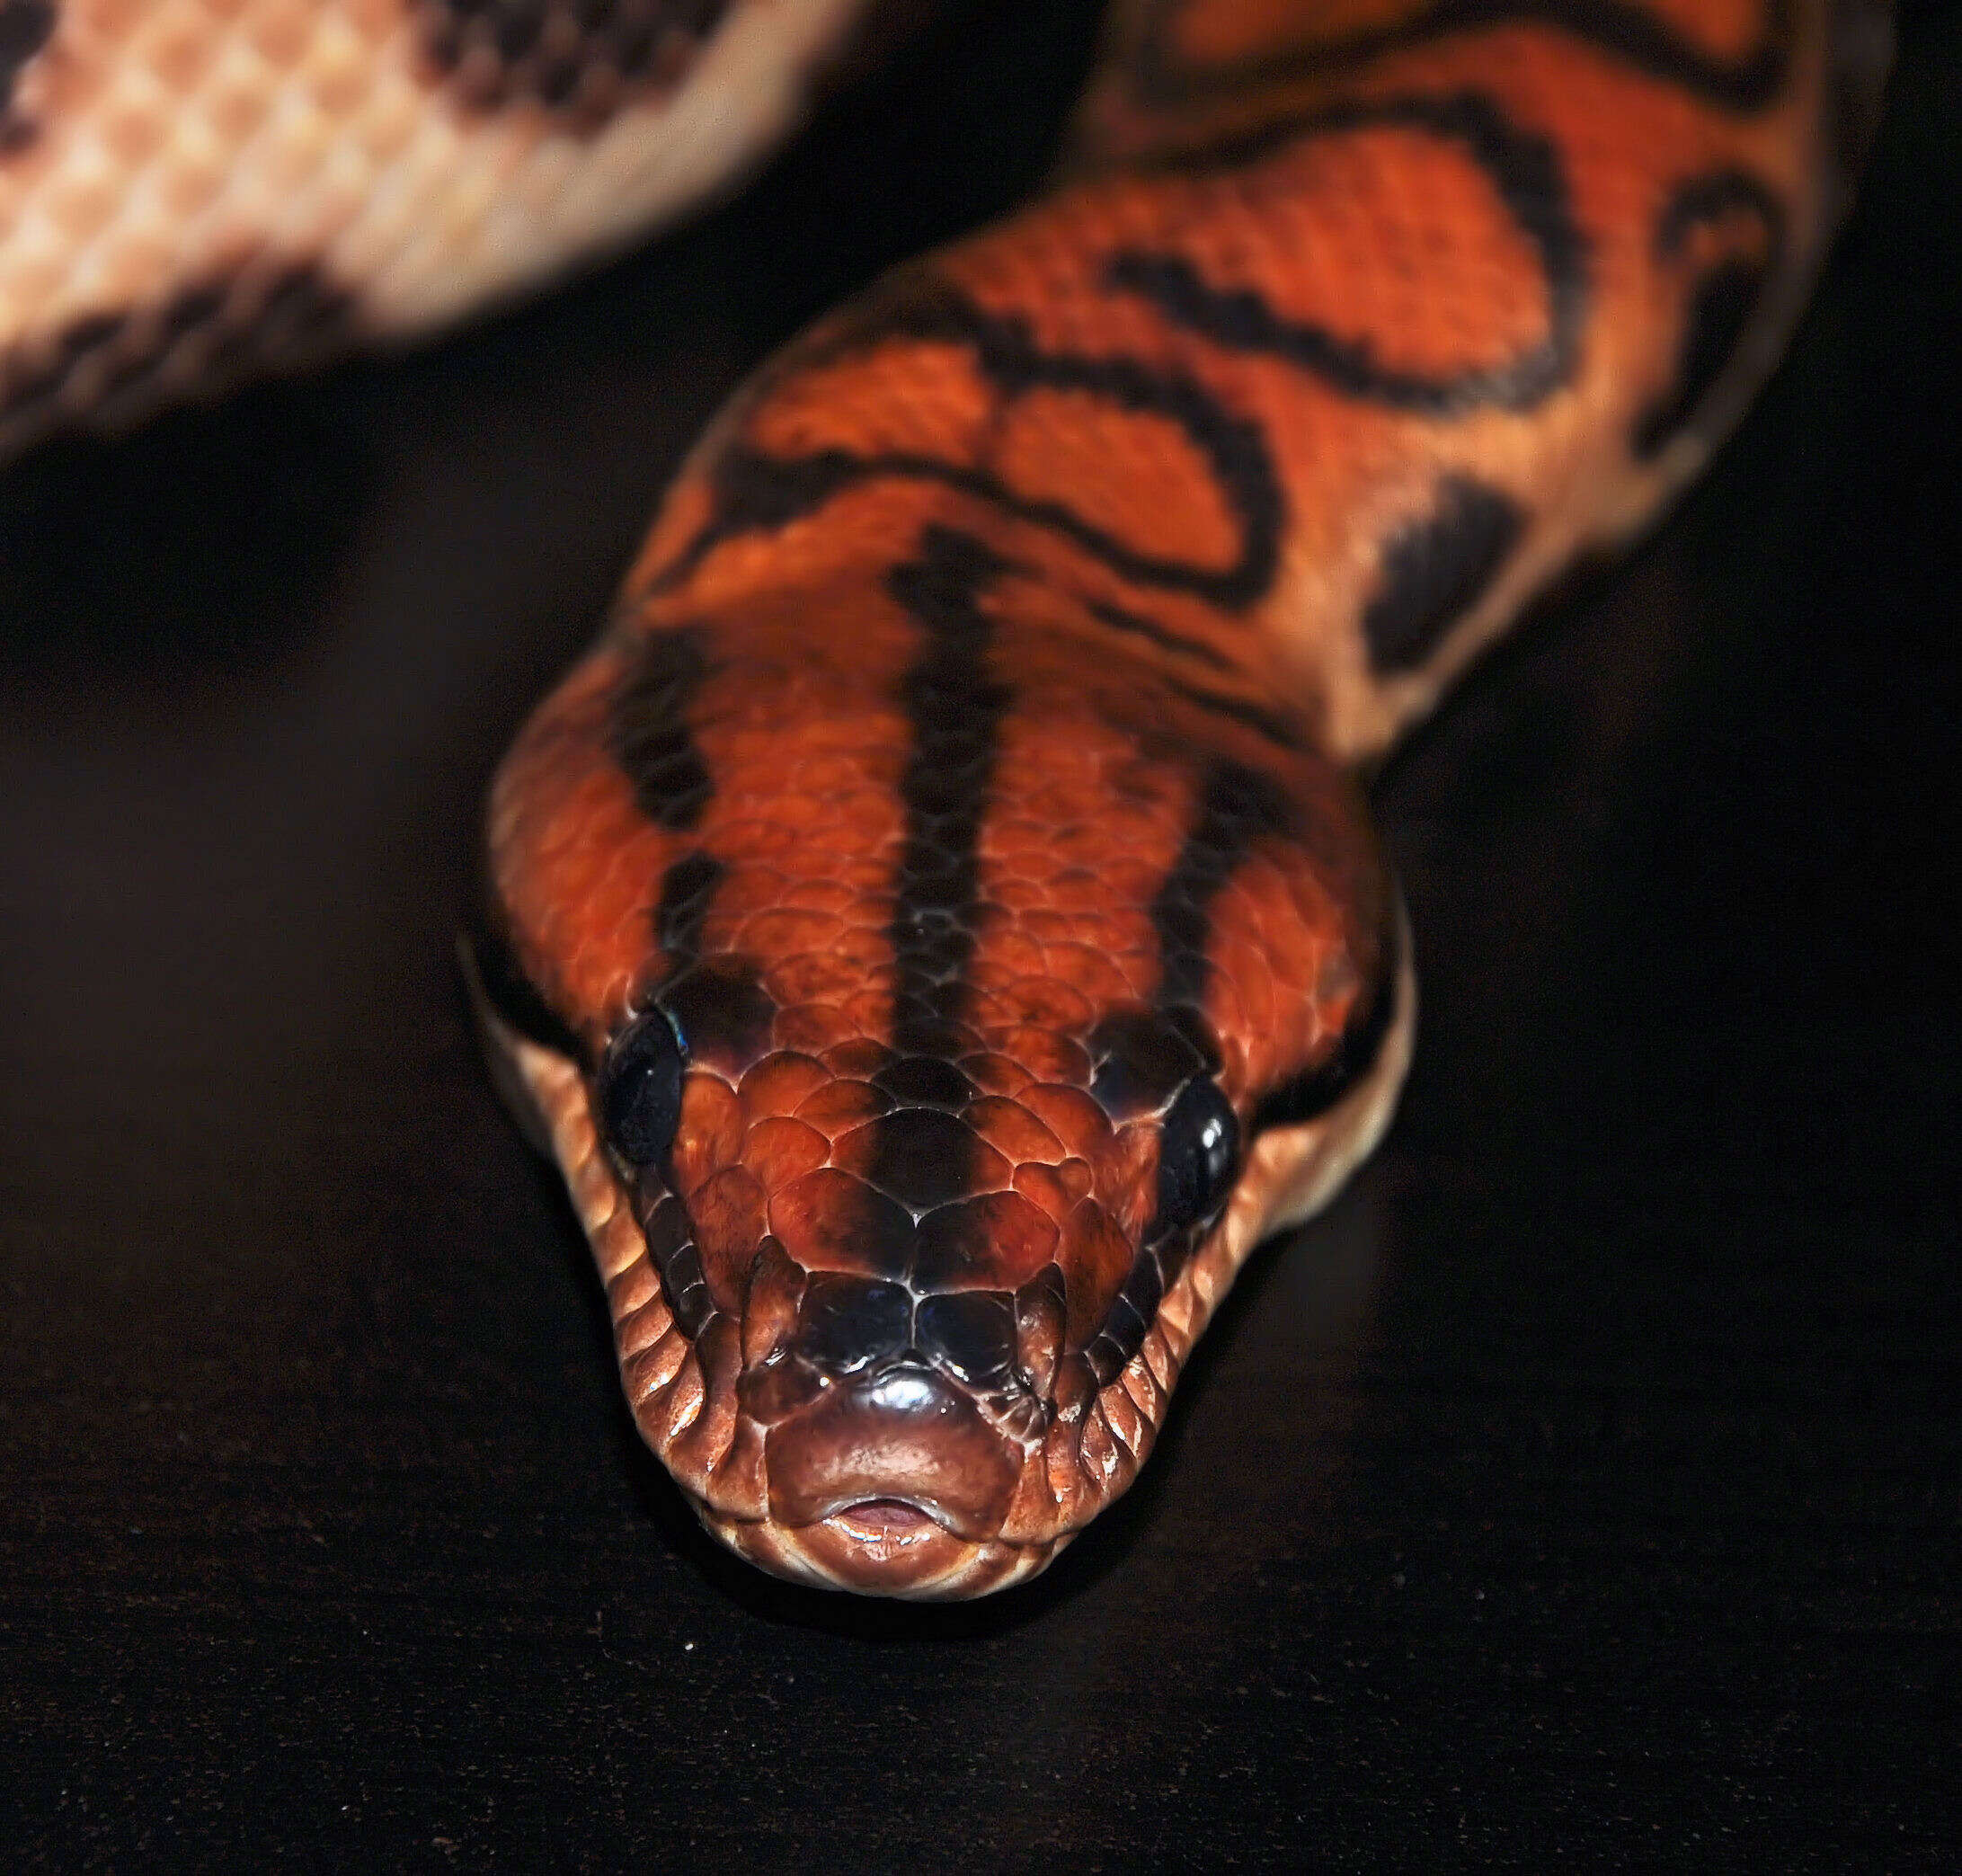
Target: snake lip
pixel 906 1437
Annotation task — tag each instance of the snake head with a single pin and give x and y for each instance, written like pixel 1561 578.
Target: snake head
pixel 918 1122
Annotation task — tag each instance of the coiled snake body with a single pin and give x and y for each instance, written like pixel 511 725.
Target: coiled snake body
pixel 937 929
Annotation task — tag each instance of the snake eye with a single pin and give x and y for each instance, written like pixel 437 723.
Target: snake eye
pixel 640 1088
pixel 1199 1152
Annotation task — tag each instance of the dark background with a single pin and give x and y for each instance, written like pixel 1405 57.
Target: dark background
pixel 1585 1486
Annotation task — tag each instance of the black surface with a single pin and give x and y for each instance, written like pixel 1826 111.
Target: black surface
pixel 1586 1488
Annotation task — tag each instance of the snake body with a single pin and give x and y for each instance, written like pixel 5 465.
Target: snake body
pixel 938 930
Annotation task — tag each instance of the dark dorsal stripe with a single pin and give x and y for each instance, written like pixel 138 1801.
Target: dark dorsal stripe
pixel 955 709
pixel 1437 569
pixel 1237 805
pixel 648 735
pixel 687 888
pixel 1526 173
pixel 1631 33
pixel 1726 294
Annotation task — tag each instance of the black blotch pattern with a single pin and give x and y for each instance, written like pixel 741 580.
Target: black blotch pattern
pixel 106 369
pixel 1435 569
pixel 1237 806
pixel 1526 173
pixel 1726 294
pixel 922 1159
pixel 754 492
pixel 581 57
pixel 1139 1062
pixel 925 1081
pixel 648 735
pixel 1630 32
pixel 722 1011
pixel 687 889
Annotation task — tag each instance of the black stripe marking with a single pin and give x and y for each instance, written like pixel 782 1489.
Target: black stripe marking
pixel 1726 295
pixel 648 735
pixel 956 708
pixel 1237 806
pixel 1437 569
pixel 1120 618
pixel 1270 725
pixel 687 889
pixel 1525 171
pixel 754 492
pixel 1631 33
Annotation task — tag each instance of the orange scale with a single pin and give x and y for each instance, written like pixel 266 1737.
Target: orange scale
pixel 811 1028
pixel 709 1136
pixel 996 1241
pixel 729 1213
pixel 750 889
pixel 1072 1116
pixel 858 1059
pixel 1048 928
pixel 993 1074
pixel 866 873
pixel 1097 1257
pixel 1047 1002
pixel 778 1083
pixel 821 896
pixel 838 1106
pixel 1022 896
pixel 1094 972
pixel 829 774
pixel 1007 954
pixel 815 977
pixel 779 1149
pixel 869 1008
pixel 1044 1055
pixel 1224 1005
pixel 828 1220
pixel 1129 882
pixel 784 931
pixel 1045 1186
pixel 1012 1130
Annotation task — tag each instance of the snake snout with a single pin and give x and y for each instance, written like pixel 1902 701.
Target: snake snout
pixel 904 1435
